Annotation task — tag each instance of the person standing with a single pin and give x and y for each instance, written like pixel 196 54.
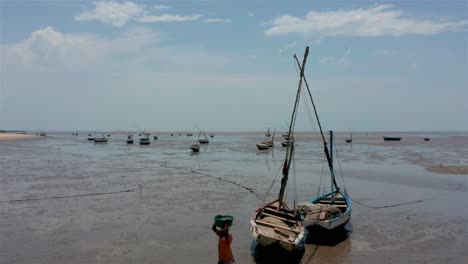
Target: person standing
pixel 224 244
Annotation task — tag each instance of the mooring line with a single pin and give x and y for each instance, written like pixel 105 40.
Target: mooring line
pixel 71 196
pixel 215 177
pixel 385 206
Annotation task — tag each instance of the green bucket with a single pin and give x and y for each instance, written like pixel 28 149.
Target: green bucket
pixel 220 220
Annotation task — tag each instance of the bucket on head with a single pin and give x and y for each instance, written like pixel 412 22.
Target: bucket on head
pixel 220 220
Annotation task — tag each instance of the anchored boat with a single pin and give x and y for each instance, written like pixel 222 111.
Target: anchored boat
pixel 276 222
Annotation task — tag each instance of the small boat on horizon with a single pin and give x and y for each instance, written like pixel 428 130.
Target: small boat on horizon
pixel 102 139
pixel 267 143
pixel 349 140
pixel 129 139
pixel 391 138
pixel 287 143
pixel 203 140
pixel 145 141
pixel 196 147
pixel 155 137
pixel 427 139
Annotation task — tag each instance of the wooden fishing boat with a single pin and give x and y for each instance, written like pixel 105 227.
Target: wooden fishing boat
pixel 145 141
pixel 275 223
pixel 100 140
pixel 267 143
pixel 332 210
pixel 263 146
pixel 196 147
pixel 155 137
pixel 391 138
pixel 203 140
pixel 349 140
pixel 287 143
pixel 427 139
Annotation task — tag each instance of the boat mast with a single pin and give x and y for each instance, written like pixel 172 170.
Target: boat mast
pixel 290 147
pixel 331 158
pixel 325 147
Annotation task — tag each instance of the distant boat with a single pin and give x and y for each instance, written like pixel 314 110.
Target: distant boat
pixel 349 140
pixel 262 146
pixel 211 136
pixel 130 139
pixel 267 143
pixel 391 138
pixel 100 140
pixel 204 140
pixel 91 138
pixel 427 139
pixel 287 143
pixel 196 147
pixel 42 134
pixel 145 141
pixel 172 135
pixel 267 134
pixel 155 137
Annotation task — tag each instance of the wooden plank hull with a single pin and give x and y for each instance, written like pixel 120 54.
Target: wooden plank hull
pixel 327 215
pixel 270 226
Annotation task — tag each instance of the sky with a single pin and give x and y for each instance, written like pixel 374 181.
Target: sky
pixel 228 65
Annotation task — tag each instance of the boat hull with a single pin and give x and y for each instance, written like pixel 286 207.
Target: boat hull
pixel 331 223
pixel 392 138
pixel 268 233
pixel 195 148
pixel 262 146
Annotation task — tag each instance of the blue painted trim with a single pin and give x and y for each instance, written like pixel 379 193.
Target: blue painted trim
pixel 348 201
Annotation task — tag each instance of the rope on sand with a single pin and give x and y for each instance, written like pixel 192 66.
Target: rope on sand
pixel 71 196
pixel 385 206
pixel 215 177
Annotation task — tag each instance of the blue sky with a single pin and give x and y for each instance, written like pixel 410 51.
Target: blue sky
pixel 227 65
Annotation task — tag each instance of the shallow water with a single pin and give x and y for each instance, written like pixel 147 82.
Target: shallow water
pixel 169 220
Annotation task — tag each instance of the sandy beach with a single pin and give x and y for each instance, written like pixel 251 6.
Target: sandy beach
pixel 74 201
pixel 12 136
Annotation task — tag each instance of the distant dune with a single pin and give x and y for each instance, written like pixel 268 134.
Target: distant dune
pixel 11 136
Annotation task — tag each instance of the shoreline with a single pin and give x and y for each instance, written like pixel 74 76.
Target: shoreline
pixel 12 136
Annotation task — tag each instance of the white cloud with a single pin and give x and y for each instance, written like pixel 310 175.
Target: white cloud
pixel 251 14
pixel 217 20
pixel 48 47
pixel 120 14
pixel 336 60
pixel 382 20
pixel 160 7
pixel 168 18
pixel 112 13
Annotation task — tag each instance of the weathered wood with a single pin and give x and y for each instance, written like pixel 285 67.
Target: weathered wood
pixel 278 226
pixel 279 217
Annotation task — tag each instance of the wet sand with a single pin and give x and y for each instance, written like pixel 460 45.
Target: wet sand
pixel 169 220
